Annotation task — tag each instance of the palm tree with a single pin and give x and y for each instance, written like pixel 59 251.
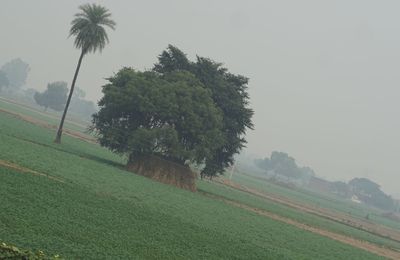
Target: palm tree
pixel 90 36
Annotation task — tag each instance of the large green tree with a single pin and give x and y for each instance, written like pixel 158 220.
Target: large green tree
pixel 171 116
pixel 229 94
pixel 53 97
pixel 88 27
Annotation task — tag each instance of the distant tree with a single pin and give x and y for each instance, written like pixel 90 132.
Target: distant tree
pixel 29 92
pixel 342 189
pixel 307 171
pixel 90 36
pixel 282 164
pixel 79 93
pixel 16 71
pixel 82 107
pixel 3 80
pixel 29 95
pixel 229 94
pixel 370 193
pixel 53 97
pixel 364 185
pixel 264 164
pixel 170 116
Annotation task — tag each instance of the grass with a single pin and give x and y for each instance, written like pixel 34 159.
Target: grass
pixel 316 199
pixel 303 217
pixel 50 118
pixel 101 211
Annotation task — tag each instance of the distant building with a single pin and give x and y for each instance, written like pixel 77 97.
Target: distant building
pixel 355 199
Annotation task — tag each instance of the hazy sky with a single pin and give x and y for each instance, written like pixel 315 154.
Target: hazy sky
pixel 324 75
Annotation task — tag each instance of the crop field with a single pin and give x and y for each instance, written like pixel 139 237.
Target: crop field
pixel 50 118
pixel 76 200
pixel 303 217
pixel 316 199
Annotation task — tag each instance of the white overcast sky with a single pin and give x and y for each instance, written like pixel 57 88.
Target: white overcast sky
pixel 324 75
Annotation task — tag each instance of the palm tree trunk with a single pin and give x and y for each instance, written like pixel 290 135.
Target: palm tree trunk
pixel 60 128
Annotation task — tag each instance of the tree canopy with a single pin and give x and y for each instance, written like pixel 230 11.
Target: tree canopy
pixel 54 97
pixel 172 116
pixel 16 72
pixel 370 193
pixel 229 94
pixel 184 111
pixel 342 189
pixel 88 27
pixel 4 82
pixel 282 164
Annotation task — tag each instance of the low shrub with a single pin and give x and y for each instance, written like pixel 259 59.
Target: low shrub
pixel 12 252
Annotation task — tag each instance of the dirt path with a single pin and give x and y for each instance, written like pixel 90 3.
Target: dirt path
pixel 13 166
pixel 342 218
pixel 372 248
pixel 40 123
pixel 41 113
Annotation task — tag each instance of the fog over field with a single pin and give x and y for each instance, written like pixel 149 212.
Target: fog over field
pixel 324 75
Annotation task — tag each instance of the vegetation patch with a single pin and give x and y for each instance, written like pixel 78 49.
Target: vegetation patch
pixel 12 252
pixel 185 112
pixel 164 171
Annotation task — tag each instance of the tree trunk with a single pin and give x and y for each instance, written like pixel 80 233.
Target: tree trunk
pixel 60 128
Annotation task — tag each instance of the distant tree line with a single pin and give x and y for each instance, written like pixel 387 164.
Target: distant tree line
pixel 81 106
pixel 282 164
pixel 370 193
pixel 363 189
pixel 13 75
pixel 55 97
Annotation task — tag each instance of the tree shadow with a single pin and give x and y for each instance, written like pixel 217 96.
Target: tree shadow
pixel 79 153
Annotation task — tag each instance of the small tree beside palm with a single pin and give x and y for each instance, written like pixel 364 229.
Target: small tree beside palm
pixel 88 27
pixel 53 97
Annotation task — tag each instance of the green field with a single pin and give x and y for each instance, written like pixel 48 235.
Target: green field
pixel 101 211
pixel 303 217
pixel 316 199
pixel 50 118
